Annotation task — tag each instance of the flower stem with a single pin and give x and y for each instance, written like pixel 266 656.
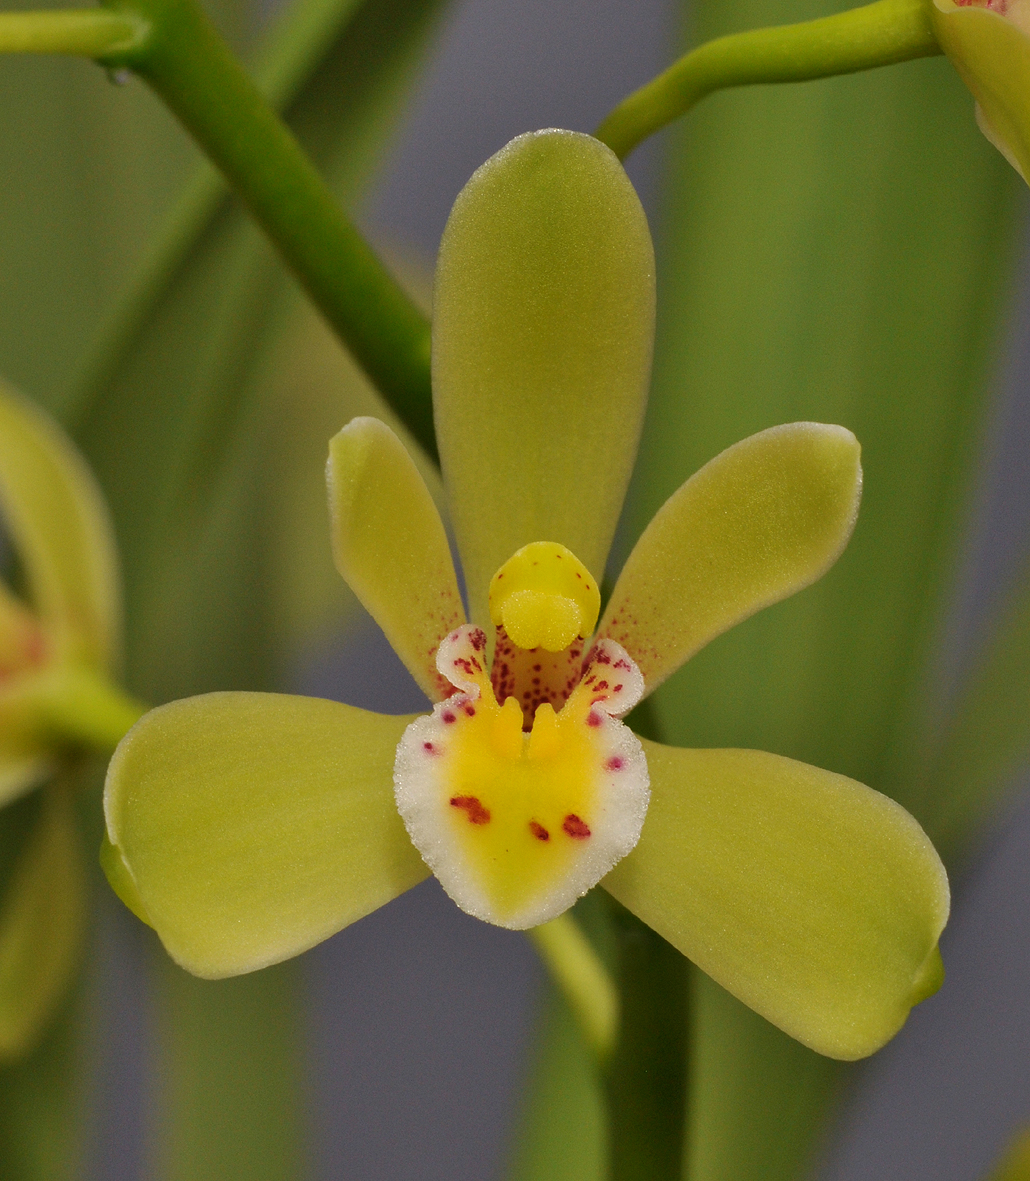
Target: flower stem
pixel 578 971
pixel 189 66
pixel 77 704
pixel 878 34
pixel 90 32
pixel 647 1074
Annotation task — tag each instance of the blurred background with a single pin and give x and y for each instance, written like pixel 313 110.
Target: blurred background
pixel 418 1021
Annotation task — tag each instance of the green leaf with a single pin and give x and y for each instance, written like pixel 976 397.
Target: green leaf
pixel 986 737
pixel 814 900
pixel 390 546
pixel 543 317
pixel 764 519
pixel 255 825
pixel 42 922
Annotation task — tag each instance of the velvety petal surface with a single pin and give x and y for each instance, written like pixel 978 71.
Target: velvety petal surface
pixel 59 525
pixel 815 900
pixel 390 546
pixel 255 825
pixel 762 520
pixel 992 53
pixel 543 321
pixel 42 922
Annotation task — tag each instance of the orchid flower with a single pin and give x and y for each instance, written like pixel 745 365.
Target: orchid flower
pixel 59 641
pixel 989 43
pixel 247 827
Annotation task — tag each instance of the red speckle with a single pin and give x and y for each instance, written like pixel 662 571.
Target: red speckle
pixel 602 685
pixel 613 764
pixel 470 710
pixel 539 831
pixel 593 718
pixel 578 829
pixel 475 811
pixel 617 689
pixel 448 717
pixel 428 746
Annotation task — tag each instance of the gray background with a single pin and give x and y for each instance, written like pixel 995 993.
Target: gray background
pixel 420 1017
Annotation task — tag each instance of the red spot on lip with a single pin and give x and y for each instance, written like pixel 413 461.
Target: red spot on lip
pixel 448 717
pixel 475 811
pixel 614 764
pixel 428 746
pixel 576 828
pixel 470 710
pixel 539 831
pixel 593 718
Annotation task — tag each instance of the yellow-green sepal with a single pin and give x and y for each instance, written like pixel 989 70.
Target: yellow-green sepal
pixel 813 899
pixel 254 825
pixel 543 322
pixel 992 54
pixel 42 923
pixel 59 525
pixel 762 520
pixel 390 546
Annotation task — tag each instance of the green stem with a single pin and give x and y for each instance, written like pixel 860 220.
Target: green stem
pixel 185 61
pixel 89 32
pixel 647 1074
pixel 77 704
pixel 578 971
pixel 878 34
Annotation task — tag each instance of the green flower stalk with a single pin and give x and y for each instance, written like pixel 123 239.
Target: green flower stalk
pixel 248 827
pixel 58 648
pixel 989 44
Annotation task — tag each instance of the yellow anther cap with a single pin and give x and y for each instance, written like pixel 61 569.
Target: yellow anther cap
pixel 544 597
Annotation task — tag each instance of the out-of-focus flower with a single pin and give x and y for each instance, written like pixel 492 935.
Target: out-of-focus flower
pixel 989 43
pixel 59 638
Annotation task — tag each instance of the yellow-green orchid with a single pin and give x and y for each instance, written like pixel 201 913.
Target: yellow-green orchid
pixel 248 827
pixel 989 43
pixel 57 646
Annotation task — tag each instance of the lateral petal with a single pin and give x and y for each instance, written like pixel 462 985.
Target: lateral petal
pixel 390 546
pixel 759 522
pixel 543 322
pixel 254 825
pixel 815 900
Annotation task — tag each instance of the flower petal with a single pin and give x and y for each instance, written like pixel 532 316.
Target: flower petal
pixel 518 826
pixel 813 899
pixel 543 320
pixel 762 520
pixel 390 546
pixel 59 525
pixel 255 825
pixel 992 53
pixel 42 922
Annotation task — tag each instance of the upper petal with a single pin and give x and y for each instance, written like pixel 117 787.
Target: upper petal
pixel 543 322
pixel 59 525
pixel 760 521
pixel 813 899
pixel 390 546
pixel 254 825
